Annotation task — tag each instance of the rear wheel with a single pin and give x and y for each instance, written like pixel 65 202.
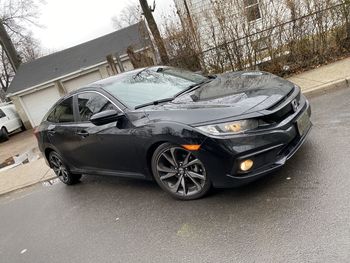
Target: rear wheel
pixel 179 172
pixel 4 134
pixel 62 171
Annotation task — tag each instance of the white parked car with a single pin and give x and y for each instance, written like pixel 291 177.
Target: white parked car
pixel 9 121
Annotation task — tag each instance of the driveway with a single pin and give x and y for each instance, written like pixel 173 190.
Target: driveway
pixel 17 144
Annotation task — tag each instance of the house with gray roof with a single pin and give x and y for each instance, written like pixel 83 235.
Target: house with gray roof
pixel 38 84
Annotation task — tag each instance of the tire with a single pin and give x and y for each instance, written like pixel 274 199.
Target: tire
pixel 23 128
pixel 4 134
pixel 61 170
pixel 179 172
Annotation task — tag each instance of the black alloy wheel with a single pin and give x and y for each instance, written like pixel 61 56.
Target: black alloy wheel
pixel 61 170
pixel 179 172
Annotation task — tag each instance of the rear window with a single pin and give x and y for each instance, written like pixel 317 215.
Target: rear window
pixel 2 114
pixel 63 112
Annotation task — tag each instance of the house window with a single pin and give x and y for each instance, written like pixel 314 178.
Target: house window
pixel 252 10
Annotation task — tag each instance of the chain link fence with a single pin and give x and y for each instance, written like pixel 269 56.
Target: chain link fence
pixel 310 35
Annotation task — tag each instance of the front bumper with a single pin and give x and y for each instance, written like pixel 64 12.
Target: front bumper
pixel 269 149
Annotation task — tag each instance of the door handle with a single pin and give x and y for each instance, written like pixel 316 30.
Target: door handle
pixel 83 133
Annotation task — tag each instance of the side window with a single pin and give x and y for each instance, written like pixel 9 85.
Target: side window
pixel 63 112
pixel 91 103
pixel 2 114
pixel 51 117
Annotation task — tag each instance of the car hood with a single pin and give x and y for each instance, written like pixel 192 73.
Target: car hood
pixel 226 97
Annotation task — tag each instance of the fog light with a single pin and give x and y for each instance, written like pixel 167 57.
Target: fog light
pixel 246 165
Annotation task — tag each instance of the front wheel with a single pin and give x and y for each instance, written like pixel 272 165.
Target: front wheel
pixel 62 171
pixel 179 172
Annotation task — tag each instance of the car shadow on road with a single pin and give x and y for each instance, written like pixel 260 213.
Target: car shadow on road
pixel 278 196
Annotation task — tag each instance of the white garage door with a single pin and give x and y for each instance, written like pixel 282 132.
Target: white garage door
pixel 81 81
pixel 38 103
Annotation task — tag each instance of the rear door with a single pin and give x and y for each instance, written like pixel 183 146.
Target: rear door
pixel 13 120
pixel 7 120
pixel 61 130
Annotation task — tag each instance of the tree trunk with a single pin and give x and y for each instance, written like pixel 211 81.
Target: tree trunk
pixel 155 32
pixel 9 48
pixel 346 14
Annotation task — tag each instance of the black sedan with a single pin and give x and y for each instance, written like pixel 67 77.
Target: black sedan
pixel 186 131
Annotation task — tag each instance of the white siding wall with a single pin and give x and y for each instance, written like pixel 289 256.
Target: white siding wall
pixel 202 13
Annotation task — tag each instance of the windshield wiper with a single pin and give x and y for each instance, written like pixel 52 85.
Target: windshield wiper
pixel 156 102
pixel 194 86
pixel 188 89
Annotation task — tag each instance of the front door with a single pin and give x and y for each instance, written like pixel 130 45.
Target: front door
pixel 101 148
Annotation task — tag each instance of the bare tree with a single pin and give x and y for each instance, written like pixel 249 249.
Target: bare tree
pixel 147 12
pixel 346 14
pixel 6 72
pixel 15 17
pixel 182 49
pixel 9 48
pixel 129 15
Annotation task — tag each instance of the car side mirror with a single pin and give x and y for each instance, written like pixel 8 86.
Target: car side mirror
pixel 105 117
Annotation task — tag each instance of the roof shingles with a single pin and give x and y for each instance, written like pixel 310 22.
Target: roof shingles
pixel 78 57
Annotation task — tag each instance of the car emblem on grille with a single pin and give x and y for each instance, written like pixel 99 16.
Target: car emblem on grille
pixel 295 105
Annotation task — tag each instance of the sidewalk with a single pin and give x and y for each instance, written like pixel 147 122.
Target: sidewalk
pixel 25 175
pixel 316 81
pixel 320 80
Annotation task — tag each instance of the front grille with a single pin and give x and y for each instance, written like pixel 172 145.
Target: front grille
pixel 275 106
pixel 281 113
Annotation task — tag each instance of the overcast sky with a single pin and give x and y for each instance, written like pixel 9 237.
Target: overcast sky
pixel 69 22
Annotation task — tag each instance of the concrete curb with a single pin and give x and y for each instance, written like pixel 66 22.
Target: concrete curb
pixel 26 185
pixel 324 88
pixel 25 175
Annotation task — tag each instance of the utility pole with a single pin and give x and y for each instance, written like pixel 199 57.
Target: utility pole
pixel 9 48
pixel 147 12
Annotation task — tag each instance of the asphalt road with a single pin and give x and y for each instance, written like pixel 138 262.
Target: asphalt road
pixel 299 214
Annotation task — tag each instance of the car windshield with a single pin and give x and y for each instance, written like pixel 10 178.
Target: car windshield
pixel 150 85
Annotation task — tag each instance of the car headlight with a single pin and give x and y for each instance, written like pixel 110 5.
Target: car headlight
pixel 227 128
